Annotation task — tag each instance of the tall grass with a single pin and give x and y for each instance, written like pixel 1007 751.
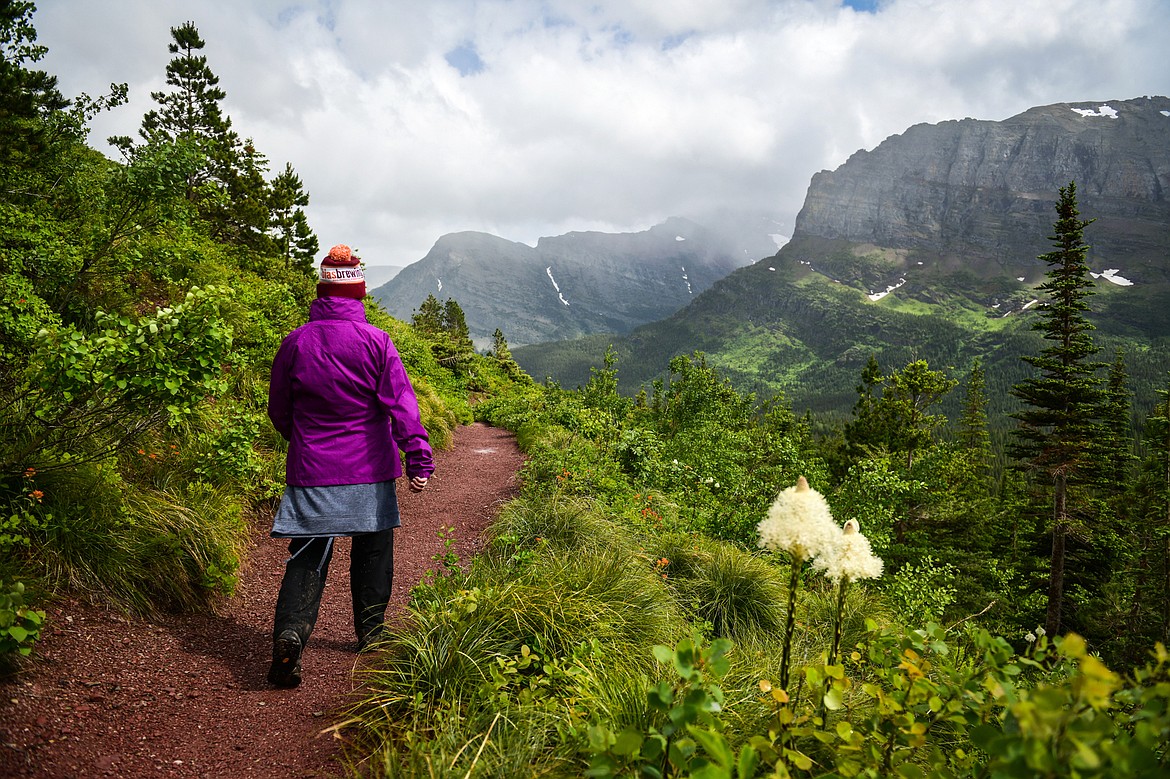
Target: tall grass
pixel 141 547
pixel 536 524
pixel 496 667
pixel 736 593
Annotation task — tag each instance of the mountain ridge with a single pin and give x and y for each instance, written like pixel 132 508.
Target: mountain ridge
pixel 568 285
pixel 927 247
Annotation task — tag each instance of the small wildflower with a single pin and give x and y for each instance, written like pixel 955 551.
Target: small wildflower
pixel 30 472
pixel 850 558
pixel 799 523
pixel 36 495
pixel 1030 638
pixel 142 451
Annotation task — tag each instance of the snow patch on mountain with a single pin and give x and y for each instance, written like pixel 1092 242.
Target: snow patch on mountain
pixel 1102 111
pixel 556 286
pixel 1111 275
pixel 876 296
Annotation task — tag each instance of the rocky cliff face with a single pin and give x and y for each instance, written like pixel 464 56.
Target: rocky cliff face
pixel 982 192
pixel 567 286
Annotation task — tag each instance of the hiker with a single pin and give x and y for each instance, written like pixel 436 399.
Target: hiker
pixel 341 397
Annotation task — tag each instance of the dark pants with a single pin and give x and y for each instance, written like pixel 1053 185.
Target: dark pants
pixel 371 567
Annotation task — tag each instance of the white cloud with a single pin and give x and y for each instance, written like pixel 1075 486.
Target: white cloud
pixel 595 114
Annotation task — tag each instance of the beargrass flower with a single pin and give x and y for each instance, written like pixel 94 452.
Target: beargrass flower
pixel 850 558
pixel 799 523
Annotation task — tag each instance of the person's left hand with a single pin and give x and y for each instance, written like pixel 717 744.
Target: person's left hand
pixel 418 483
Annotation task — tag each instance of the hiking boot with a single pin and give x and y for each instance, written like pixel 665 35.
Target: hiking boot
pixel 286 660
pixel 369 641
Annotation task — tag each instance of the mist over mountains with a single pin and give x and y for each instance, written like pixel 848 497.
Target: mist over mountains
pixel 570 285
pixel 926 247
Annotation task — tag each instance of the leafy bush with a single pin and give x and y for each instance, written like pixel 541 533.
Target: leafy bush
pixel 20 626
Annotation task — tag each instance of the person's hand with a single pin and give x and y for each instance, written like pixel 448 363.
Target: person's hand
pixel 418 483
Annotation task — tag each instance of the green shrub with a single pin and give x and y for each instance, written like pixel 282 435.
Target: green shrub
pixel 20 626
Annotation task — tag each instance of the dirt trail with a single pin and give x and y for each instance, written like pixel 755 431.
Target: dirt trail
pixel 186 696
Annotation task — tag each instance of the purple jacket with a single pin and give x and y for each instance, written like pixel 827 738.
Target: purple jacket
pixel 342 399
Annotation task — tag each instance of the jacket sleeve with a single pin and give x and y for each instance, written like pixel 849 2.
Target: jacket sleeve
pixel 280 404
pixel 397 397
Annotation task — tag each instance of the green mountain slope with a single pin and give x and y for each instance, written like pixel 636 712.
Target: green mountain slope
pixel 925 248
pixel 782 326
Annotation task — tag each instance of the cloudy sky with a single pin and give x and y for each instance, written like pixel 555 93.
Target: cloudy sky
pixel 409 119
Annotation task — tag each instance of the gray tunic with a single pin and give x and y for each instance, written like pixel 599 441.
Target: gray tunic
pixel 342 510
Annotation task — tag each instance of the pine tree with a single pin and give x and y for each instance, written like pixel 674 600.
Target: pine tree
pixel 1152 585
pixel 228 187
pixel 455 325
pixel 863 432
pixel 1060 420
pixel 26 96
pixel 907 399
pixel 289 225
pixel 500 346
pixel 1114 447
pixel 429 317
pixel 973 436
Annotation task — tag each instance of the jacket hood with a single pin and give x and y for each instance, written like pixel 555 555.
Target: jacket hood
pixel 337 308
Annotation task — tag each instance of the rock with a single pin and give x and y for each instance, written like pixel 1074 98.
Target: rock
pixel 984 191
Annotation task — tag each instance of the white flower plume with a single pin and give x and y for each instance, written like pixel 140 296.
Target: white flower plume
pixel 799 523
pixel 850 557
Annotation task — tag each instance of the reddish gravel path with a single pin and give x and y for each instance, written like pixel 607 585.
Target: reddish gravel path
pixel 186 696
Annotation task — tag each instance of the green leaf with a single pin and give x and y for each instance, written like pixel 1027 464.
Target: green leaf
pixel 749 759
pixel 628 744
pixel 716 746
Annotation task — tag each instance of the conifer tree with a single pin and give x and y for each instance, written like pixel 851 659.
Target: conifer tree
pixel 1062 403
pixel 26 96
pixel 1114 447
pixel 973 435
pixel 429 317
pixel 500 346
pixel 455 325
pixel 904 408
pixel 1151 593
pixel 863 432
pixel 290 227
pixel 228 186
